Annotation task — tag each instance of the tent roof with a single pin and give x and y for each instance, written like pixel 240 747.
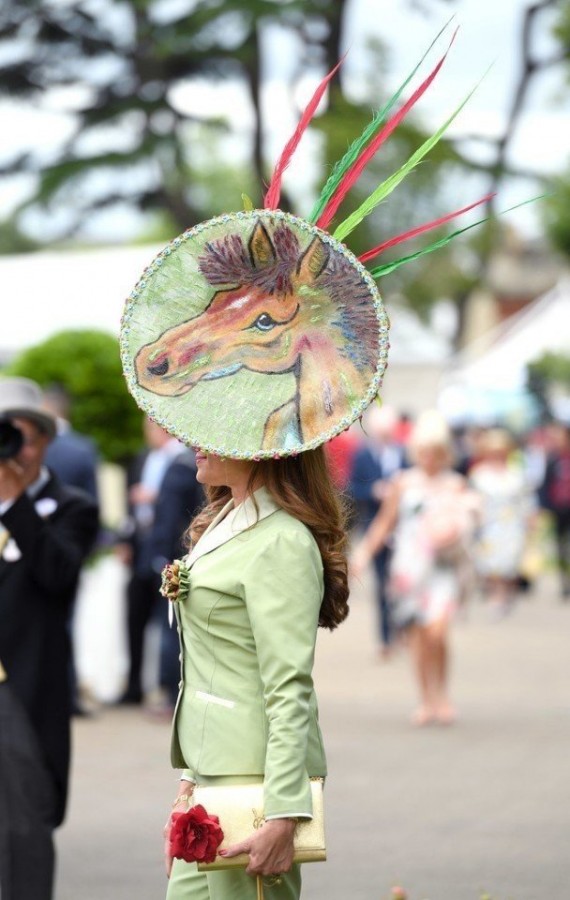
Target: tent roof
pixel 499 359
pixel 44 293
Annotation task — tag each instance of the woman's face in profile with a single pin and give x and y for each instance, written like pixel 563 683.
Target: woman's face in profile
pixel 216 471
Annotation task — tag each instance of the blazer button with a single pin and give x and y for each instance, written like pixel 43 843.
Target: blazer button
pixel 179 657
pixel 180 685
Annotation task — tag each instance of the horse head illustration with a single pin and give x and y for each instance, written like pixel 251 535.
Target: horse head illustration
pixel 308 313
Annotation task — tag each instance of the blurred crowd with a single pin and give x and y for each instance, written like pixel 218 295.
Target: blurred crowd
pixel 439 515
pixel 443 515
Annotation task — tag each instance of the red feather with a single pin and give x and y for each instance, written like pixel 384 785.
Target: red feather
pixel 355 171
pixel 272 196
pixel 427 226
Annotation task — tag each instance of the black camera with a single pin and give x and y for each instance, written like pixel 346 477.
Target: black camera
pixel 11 439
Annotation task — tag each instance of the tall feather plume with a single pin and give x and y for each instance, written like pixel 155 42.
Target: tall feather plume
pixel 358 145
pixel 386 269
pixel 272 197
pixel 420 229
pixel 386 187
pixel 355 171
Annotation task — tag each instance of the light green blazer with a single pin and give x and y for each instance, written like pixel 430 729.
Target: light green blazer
pixel 248 629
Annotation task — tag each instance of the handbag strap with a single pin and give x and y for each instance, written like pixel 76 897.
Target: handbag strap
pixel 259 888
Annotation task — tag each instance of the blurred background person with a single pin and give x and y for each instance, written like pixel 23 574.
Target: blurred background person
pixel 431 513
pixel 554 495
pixel 373 465
pixel 403 430
pixel 179 499
pixel 46 532
pixel 72 456
pixel 339 454
pixel 506 511
pixel 144 479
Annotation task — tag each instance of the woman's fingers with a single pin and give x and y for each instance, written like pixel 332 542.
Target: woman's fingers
pixel 270 849
pixel 167 856
pixel 236 849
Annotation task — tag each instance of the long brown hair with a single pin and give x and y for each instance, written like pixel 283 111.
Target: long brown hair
pixel 302 486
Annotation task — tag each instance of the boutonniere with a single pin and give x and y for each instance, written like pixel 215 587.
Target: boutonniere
pixel 175 581
pixel 45 507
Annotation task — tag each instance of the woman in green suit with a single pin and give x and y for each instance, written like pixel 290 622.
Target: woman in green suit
pixel 257 337
pixel 267 567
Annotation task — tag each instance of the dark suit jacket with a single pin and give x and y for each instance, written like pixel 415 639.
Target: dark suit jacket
pixel 366 469
pixel 36 594
pixel 130 531
pixel 179 499
pixel 73 458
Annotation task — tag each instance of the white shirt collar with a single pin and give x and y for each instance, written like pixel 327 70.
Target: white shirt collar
pixel 37 486
pixel 233 520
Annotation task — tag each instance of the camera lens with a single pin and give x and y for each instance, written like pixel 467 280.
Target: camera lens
pixel 11 439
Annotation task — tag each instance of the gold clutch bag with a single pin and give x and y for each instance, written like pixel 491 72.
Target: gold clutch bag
pixel 239 808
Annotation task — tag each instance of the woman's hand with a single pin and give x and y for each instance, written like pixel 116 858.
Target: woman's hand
pixel 270 849
pixel 181 804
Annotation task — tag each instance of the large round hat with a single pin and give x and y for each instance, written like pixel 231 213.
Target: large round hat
pixel 258 334
pixel 255 334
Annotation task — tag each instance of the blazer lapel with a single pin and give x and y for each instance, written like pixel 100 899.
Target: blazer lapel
pixel 46 503
pixel 232 521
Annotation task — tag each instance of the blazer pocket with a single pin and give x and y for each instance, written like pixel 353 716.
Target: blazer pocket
pixel 211 698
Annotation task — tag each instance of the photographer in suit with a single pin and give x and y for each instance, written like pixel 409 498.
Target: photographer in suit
pixel 46 531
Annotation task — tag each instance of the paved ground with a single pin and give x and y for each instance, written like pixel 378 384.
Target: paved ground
pixel 447 813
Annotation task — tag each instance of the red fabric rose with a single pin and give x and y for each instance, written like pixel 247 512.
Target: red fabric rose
pixel 195 835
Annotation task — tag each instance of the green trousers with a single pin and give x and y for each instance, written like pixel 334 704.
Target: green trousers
pixel 187 883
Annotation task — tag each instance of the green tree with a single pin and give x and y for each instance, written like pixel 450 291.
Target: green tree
pixel 547 376
pixel 87 365
pixel 556 213
pixel 132 145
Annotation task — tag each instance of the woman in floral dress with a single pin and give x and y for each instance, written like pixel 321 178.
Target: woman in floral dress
pixel 507 506
pixel 431 513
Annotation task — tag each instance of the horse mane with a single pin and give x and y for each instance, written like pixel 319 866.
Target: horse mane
pixel 228 261
pixel 350 294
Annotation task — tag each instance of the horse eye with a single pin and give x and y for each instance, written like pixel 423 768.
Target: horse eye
pixel 264 322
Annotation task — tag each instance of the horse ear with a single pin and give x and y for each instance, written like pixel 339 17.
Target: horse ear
pixel 261 247
pixel 313 260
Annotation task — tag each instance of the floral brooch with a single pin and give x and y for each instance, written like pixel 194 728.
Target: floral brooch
pixel 175 584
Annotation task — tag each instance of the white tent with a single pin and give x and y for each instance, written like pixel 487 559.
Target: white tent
pixel 487 379
pixel 43 293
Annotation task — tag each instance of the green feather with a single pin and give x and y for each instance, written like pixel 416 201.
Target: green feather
pixel 357 146
pixel 386 269
pixel 386 187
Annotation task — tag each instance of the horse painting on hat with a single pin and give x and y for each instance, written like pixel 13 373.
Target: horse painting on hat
pixel 262 293
pixel 288 300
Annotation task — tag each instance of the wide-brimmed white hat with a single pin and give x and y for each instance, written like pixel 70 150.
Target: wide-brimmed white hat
pixel 21 398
